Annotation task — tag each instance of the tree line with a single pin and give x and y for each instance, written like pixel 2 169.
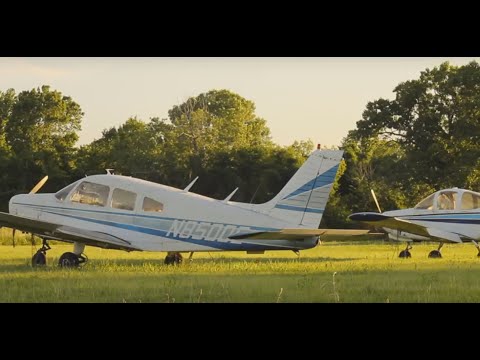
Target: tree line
pixel 425 139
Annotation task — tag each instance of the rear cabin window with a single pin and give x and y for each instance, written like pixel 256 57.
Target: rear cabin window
pixel 447 200
pixel 91 194
pixel 62 194
pixel 152 205
pixel 470 201
pixel 123 199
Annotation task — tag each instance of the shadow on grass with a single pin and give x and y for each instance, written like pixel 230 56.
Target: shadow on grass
pixel 222 260
pixel 52 263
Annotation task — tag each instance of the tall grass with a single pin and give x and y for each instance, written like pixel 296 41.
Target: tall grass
pixel 332 272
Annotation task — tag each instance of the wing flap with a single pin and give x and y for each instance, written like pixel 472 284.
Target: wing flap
pixel 295 234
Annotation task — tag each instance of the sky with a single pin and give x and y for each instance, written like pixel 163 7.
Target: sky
pixel 320 99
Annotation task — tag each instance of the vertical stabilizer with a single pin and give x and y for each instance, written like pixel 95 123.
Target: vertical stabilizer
pixel 303 199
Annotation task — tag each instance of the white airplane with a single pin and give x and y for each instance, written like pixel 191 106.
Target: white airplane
pixel 119 212
pixel 446 216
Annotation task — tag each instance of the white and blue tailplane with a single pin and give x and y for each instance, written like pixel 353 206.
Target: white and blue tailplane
pixel 303 199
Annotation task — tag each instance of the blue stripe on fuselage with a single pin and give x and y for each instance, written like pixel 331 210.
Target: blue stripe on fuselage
pixel 222 244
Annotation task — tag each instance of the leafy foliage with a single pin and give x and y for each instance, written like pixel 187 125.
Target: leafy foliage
pixel 425 139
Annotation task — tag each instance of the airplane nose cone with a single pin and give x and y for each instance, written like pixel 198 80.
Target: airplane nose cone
pixel 12 207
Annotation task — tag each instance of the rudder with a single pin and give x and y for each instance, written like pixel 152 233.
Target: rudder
pixel 303 199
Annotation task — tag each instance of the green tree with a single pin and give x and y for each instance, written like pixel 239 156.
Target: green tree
pixel 7 176
pixel 435 120
pixel 41 130
pixel 212 122
pixel 423 140
pixel 135 148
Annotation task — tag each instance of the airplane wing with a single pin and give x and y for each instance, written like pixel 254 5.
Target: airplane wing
pixel 390 222
pixel 295 234
pixel 64 233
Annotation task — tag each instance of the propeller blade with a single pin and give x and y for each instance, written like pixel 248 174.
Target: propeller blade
pixel 376 201
pixel 39 185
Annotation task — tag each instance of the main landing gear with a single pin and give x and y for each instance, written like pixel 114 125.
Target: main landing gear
pixel 68 259
pixel 436 254
pixel 75 258
pixel 174 258
pixel 40 257
pixel 405 254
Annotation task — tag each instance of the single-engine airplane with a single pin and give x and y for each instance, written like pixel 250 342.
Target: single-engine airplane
pixel 446 216
pixel 125 213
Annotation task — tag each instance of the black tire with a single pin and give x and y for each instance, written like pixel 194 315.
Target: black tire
pixel 178 258
pixel 435 254
pixel 405 254
pixel 173 259
pixel 39 259
pixel 68 259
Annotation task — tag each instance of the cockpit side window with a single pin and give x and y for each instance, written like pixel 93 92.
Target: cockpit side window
pixel 470 201
pixel 91 194
pixel 123 199
pixel 63 193
pixel 152 205
pixel 426 204
pixel 447 200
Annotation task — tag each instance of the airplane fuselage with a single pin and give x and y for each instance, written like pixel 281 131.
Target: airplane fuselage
pixel 186 222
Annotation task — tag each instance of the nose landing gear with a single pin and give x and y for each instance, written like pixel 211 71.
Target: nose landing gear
pixel 436 254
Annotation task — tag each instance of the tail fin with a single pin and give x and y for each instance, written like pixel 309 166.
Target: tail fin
pixel 303 199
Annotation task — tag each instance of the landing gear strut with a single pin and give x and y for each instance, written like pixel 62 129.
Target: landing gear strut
pixel 73 259
pixel 173 258
pixel 477 246
pixel 436 254
pixel 40 257
pixel 405 254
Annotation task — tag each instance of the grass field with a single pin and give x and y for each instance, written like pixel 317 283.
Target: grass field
pixel 364 272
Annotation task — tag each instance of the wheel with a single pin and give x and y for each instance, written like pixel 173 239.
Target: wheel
pixel 435 254
pixel 169 259
pixel 68 259
pixel 405 254
pixel 39 259
pixel 173 258
pixel 178 258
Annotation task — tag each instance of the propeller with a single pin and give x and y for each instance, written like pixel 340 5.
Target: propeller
pixel 39 185
pixel 380 230
pixel 376 201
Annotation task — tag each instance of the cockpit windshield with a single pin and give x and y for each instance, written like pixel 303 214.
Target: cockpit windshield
pixel 426 203
pixel 62 194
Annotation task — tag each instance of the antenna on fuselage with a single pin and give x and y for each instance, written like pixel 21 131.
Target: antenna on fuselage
pixel 230 196
pixel 190 185
pixel 110 171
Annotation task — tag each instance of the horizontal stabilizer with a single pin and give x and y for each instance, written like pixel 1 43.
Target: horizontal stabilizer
pixel 295 234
